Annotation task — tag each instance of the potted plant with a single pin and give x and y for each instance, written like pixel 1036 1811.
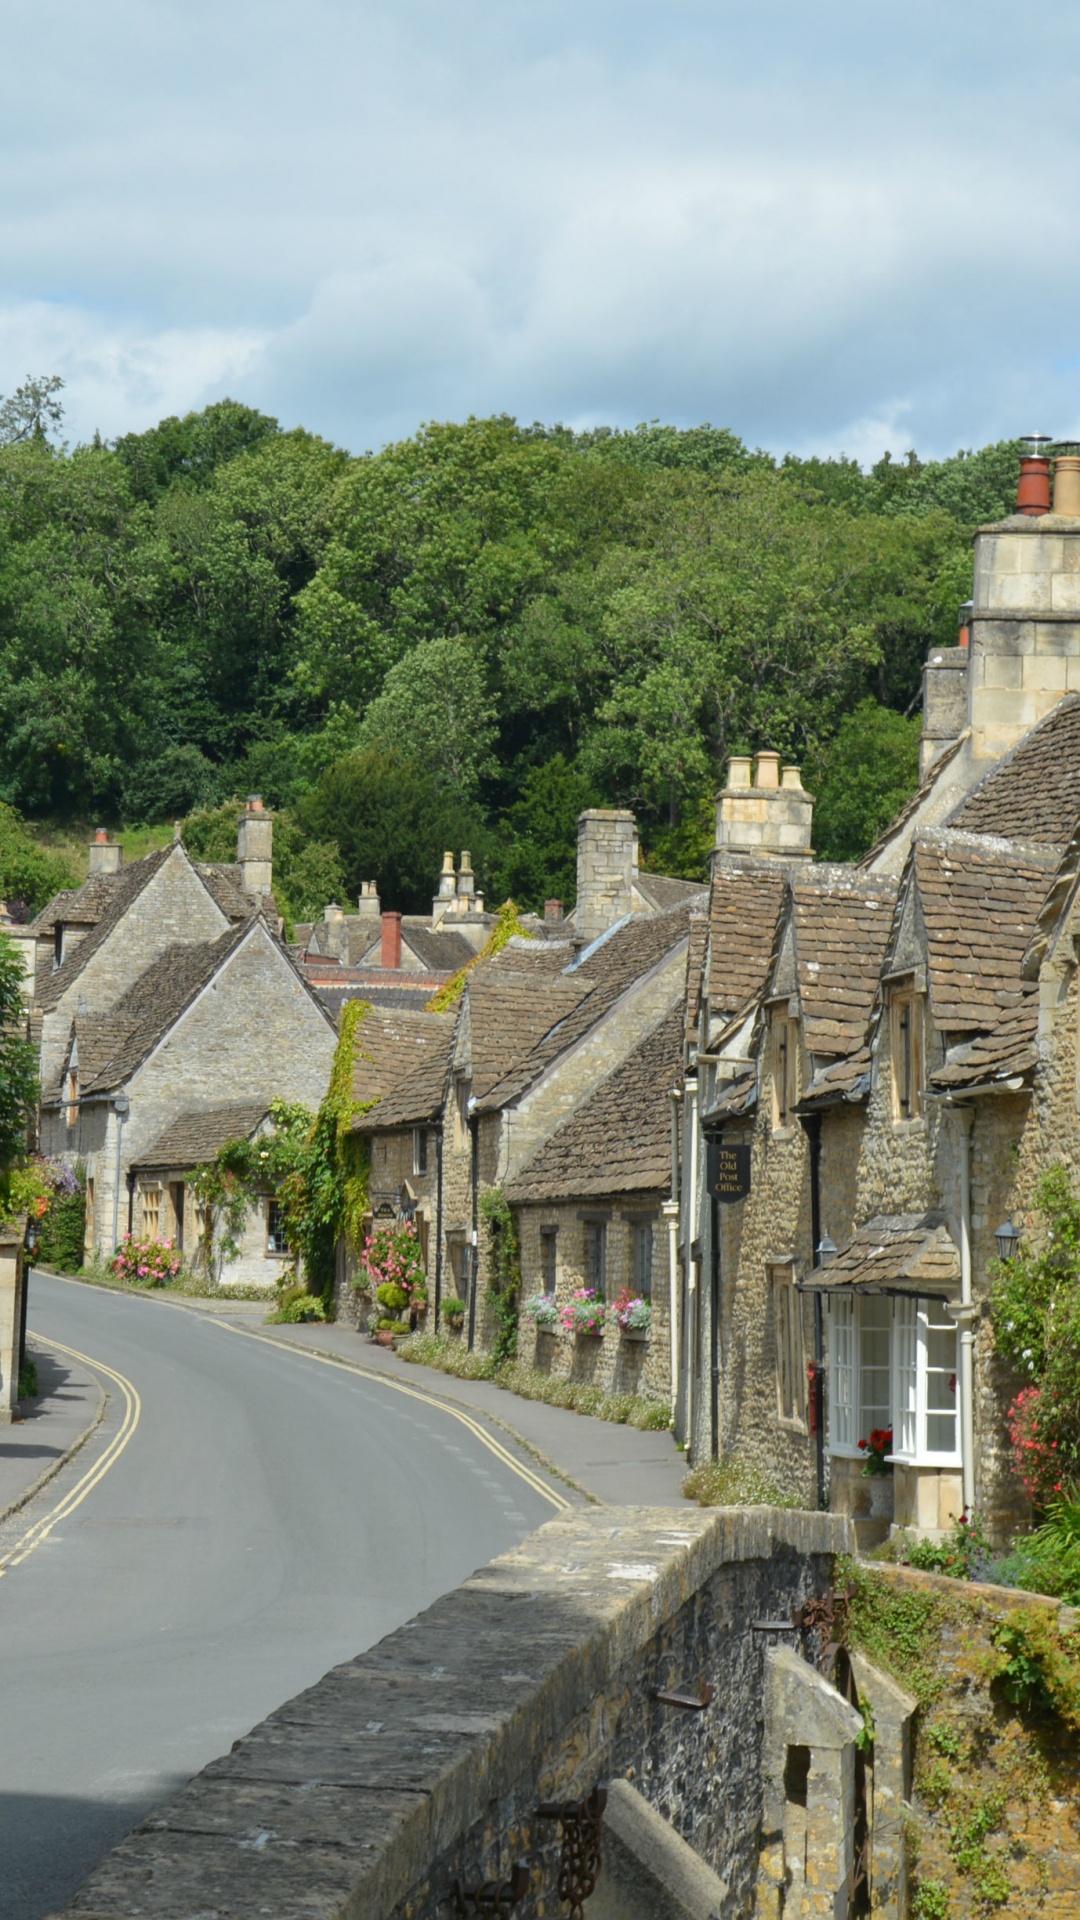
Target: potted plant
pixel 542 1311
pixel 634 1315
pixel 392 1301
pixel 391 1257
pixel 453 1312
pixel 878 1469
pixel 585 1313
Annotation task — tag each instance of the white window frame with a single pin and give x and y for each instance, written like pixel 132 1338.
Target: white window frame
pixel 419 1150
pixel 909 1380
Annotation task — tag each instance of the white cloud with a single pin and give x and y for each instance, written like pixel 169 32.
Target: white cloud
pixel 818 226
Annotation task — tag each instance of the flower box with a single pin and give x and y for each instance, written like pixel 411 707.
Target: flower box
pixel 639 1334
pixel 548 1333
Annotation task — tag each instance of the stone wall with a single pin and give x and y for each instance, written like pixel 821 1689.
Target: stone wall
pixel 614 1362
pixel 426 1759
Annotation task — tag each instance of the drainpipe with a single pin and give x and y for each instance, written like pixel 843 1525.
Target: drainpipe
pixel 121 1107
pixel 714 1326
pixel 812 1127
pixel 474 1254
pixel 438 1221
pixel 671 1214
pixel 964 1119
pixel 691 1092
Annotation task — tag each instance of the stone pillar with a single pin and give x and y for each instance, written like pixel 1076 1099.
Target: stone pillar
pixel 255 848
pixel 808 1815
pixel 12 1282
pixel 768 819
pixel 607 864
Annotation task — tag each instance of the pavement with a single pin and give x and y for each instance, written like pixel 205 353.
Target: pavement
pixel 617 1466
pixel 50 1429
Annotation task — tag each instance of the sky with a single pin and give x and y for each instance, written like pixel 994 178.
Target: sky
pixel 833 227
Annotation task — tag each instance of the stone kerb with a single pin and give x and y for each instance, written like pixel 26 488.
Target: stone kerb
pixel 427 1758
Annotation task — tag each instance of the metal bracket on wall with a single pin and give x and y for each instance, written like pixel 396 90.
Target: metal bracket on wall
pixel 692 1702
pixel 579 1868
pixel 495 1899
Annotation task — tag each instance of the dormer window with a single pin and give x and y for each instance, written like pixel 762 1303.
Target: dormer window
pixel 784 1063
pixel 906 1049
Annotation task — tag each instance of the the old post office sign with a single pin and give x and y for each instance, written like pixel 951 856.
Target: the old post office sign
pixel 728 1171
pixel 385 1212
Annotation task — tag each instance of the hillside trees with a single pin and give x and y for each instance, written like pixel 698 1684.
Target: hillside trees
pixel 461 635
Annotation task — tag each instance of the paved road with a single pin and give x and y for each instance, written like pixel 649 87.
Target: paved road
pixel 267 1516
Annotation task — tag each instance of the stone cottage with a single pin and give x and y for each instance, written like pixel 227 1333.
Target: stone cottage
pixel 175 1002
pixel 854 1132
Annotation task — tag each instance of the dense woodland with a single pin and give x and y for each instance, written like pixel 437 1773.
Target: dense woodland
pixel 459 641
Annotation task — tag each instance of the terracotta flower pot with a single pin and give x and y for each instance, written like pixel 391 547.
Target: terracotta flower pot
pixel 384 1337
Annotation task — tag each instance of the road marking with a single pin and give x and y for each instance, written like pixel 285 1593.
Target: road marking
pixel 486 1439
pixel 132 1415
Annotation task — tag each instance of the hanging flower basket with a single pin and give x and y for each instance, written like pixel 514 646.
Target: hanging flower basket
pixel 585 1314
pixel 542 1312
pixel 633 1314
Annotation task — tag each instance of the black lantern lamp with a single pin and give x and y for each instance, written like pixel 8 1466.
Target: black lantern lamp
pixel 1008 1240
pixel 826 1251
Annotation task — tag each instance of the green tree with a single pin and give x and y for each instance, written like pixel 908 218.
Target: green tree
pixel 861 779
pixel 29 874
pixel 393 820
pixel 536 857
pixel 32 411
pixel 18 1080
pixel 188 452
pixel 307 871
pixel 437 700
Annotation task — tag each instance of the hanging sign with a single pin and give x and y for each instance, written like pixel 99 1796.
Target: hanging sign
pixel 728 1171
pixel 385 1212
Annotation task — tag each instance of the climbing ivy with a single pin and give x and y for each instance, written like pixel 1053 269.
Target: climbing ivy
pixel 507 923
pixel 504 1288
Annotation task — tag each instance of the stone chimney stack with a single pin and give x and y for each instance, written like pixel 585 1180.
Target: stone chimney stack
pixel 607 865
pixel 768 817
pixel 391 940
pixel 334 936
pixel 367 905
pixel 444 899
pixel 106 856
pixel 255 848
pixel 466 883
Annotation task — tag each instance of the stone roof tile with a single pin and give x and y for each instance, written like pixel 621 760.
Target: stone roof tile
pixel 393 1044
pixel 893 1253
pixel 195 1137
pixel 745 904
pixel 619 1139
pixel 1034 792
pixel 980 902
pixel 843 921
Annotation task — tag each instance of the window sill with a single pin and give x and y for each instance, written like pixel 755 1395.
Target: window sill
pixel 783 1133
pixel 917 1123
pixel 791 1425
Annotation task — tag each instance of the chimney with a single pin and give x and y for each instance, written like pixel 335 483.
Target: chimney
pixel 1033 488
pixel 552 910
pixel 1067 485
pixel 769 819
pixel 607 860
pixel 944 698
pixel 333 940
pixel 106 856
pixel 466 885
pixel 391 940
pixel 368 903
pixel 255 848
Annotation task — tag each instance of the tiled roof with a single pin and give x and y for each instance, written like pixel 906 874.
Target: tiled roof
pixel 444 950
pixel 1034 792
pixel 842 925
pixel 735 1099
pixel 419 1096
pixel 391 1043
pixel 79 906
pixel 980 902
pixel 111 902
pixel 846 1079
pixel 896 1252
pixel 744 909
pixel 662 890
pixel 1011 1050
pixel 112 1045
pixel 546 956
pixel 605 971
pixel 509 1013
pixel 411 992
pixel 195 1137
pixel 619 1139
pixel 222 881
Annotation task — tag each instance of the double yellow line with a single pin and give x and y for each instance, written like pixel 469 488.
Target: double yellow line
pixel 132 1412
pixel 551 1494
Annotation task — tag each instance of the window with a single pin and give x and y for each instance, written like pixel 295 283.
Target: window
pixel 906 1046
pixel 549 1258
pixel 275 1229
pixel 790 1357
pixel 641 1239
pixel 596 1254
pixel 58 944
pixel 176 1197
pixel 893 1363
pixel 784 1048
pixel 73 1097
pixel 151 1213
pixel 419 1150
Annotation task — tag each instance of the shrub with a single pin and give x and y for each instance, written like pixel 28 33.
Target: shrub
pixel 964 1554
pixel 585 1313
pixel 391 1259
pixel 733 1483
pixel 1040 1448
pixel 392 1297
pixel 453 1308
pixel 62 1228
pixel 28 1380
pixel 146 1263
pixel 626 1409
pixel 295 1305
